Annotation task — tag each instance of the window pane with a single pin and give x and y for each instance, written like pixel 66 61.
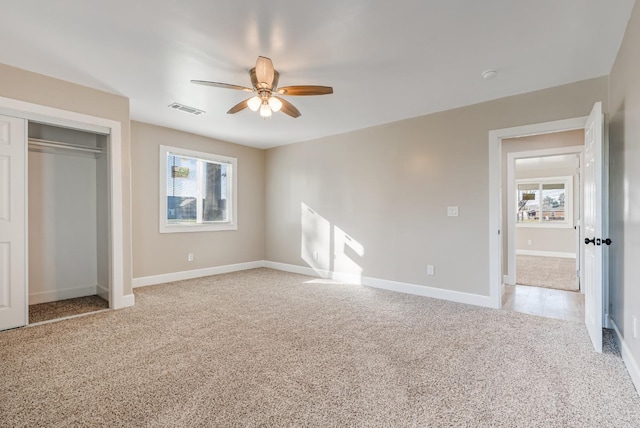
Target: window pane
pixel 553 202
pixel 528 186
pixel 181 189
pixel 197 191
pixel 528 203
pixel 214 191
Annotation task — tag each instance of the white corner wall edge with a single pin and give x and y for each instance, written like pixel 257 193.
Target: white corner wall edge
pixel 196 273
pixel 102 291
pixel 627 357
pixel 385 284
pixel 126 301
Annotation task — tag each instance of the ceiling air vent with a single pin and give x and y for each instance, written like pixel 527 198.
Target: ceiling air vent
pixel 187 109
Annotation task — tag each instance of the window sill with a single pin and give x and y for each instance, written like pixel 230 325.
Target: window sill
pixel 182 228
pixel 545 225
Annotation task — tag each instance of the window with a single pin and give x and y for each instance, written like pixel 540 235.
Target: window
pixel 197 191
pixel 545 202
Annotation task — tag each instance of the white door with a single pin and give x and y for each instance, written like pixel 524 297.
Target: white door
pixel 592 226
pixel 13 229
pixel 13 224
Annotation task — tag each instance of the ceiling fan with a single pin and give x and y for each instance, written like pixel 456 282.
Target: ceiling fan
pixel 264 81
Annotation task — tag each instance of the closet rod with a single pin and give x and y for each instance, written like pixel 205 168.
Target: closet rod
pixel 59 145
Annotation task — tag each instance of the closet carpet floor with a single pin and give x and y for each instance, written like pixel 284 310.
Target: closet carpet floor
pixel 65 308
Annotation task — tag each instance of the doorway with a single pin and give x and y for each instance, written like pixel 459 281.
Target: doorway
pixel 547 205
pixel 68 222
pixel 541 270
pixel 593 223
pixel 14 285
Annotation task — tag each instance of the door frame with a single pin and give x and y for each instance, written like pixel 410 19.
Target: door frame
pixel 510 277
pixel 495 193
pixel 68 119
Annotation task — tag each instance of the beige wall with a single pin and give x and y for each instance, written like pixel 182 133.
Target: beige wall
pixel 624 168
pixel 36 88
pixel 388 188
pixel 155 253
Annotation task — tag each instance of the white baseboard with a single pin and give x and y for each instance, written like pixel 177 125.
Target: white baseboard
pixel 103 291
pixel 402 287
pixel 66 293
pixel 546 254
pixel 196 273
pixel 425 291
pixel 302 270
pixel 627 357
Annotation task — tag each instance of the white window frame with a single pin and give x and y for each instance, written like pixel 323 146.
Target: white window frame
pixel 568 221
pixel 232 205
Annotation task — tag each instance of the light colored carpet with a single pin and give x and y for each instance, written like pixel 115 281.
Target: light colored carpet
pixel 548 272
pixel 64 308
pixel 267 348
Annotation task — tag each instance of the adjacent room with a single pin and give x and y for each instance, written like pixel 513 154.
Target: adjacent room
pixel 269 213
pixel 542 260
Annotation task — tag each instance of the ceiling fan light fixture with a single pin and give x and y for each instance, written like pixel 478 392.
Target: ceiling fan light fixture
pixel 265 111
pixel 275 104
pixel 254 103
pixel 264 85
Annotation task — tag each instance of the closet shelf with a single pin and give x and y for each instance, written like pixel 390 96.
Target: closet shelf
pixel 48 146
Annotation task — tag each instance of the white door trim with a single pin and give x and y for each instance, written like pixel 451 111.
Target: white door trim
pixel 510 277
pixel 73 120
pixel 495 186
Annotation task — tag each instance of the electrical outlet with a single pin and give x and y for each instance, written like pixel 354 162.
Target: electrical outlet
pixel 430 270
pixel 190 257
pixel 529 242
pixel 315 255
pixel 452 211
pixel 635 327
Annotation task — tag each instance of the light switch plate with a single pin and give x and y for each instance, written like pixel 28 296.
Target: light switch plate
pixel 452 211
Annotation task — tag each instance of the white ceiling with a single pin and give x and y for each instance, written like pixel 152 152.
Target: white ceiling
pixel 386 60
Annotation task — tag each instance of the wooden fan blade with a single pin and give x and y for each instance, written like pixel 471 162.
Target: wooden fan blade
pixel 265 72
pixel 305 90
pixel 239 107
pixel 221 85
pixel 288 108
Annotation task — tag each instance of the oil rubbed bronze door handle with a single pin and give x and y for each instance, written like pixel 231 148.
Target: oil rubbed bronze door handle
pixel 590 241
pixel 607 241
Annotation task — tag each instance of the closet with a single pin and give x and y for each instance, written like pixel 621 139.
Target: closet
pixel 68 214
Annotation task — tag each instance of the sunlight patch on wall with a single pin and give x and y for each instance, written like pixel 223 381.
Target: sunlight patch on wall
pixel 332 253
pixel 316 241
pixel 345 250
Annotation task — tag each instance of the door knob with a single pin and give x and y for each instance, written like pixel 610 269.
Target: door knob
pixel 607 241
pixel 590 241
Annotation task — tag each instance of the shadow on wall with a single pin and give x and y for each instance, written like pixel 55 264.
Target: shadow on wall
pixel 329 251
